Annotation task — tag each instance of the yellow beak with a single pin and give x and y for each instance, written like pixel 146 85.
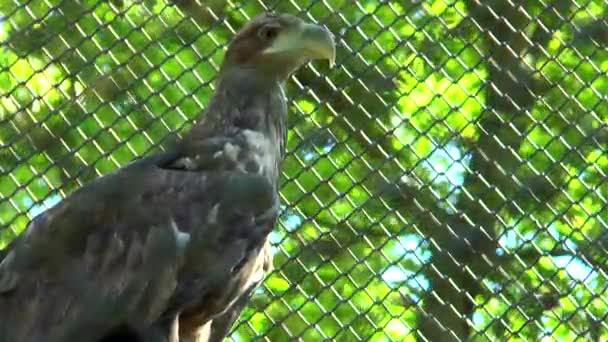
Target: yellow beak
pixel 309 40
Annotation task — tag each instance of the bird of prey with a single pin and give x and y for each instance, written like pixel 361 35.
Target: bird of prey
pixel 169 247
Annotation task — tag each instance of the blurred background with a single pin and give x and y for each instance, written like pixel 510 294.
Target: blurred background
pixel 446 181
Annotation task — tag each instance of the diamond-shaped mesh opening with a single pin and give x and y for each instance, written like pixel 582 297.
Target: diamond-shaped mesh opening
pixel 447 180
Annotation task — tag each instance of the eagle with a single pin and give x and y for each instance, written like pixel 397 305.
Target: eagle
pixel 170 247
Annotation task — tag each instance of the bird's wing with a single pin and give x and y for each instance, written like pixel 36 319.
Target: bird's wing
pixel 115 247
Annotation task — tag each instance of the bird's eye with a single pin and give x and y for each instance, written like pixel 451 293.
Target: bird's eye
pixel 268 32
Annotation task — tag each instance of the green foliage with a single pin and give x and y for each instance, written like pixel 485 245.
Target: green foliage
pixel 441 122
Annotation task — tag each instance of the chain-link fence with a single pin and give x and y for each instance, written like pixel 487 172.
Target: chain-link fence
pixel 446 180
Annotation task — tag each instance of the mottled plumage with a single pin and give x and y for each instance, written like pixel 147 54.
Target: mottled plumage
pixel 170 247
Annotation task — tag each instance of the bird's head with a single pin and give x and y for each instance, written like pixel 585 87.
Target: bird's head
pixel 276 45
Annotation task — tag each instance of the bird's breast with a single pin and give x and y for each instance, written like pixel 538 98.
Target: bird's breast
pixel 251 152
pixel 224 295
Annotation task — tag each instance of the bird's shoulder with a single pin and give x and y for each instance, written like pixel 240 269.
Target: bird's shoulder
pixel 125 205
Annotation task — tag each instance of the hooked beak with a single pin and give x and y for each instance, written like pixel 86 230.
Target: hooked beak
pixel 309 41
pixel 318 43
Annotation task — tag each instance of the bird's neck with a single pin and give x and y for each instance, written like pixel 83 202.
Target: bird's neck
pixel 241 73
pixel 245 100
pixel 251 99
pixel 258 104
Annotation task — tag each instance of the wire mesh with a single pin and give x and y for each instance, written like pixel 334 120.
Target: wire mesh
pixel 445 181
